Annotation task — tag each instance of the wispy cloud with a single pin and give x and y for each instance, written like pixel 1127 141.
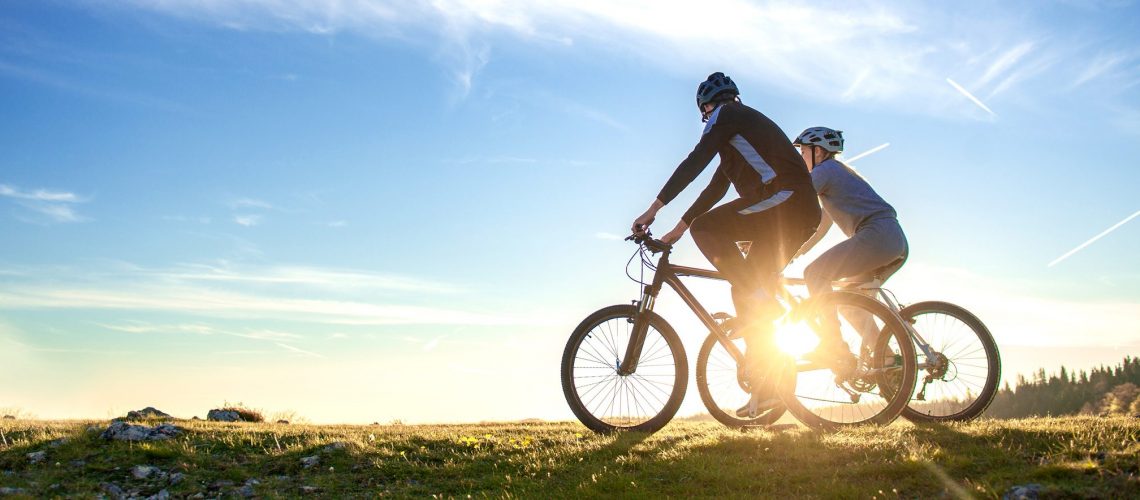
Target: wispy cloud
pixel 38 195
pixel 68 85
pixel 762 40
pixel 55 206
pixel 874 51
pixel 241 203
pixel 1100 66
pixel 970 96
pixel 879 51
pixel 138 327
pixel 602 235
pixel 352 281
pixel 1093 239
pixel 492 160
pixel 1022 310
pixel 1004 62
pixel 185 218
pixel 247 220
pixel 432 344
pixel 315 296
pixel 580 110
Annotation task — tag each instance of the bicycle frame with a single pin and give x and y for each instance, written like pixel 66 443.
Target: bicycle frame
pixel 875 287
pixel 671 274
pixel 668 273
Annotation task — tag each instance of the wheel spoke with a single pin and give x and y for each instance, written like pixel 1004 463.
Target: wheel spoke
pixel 611 401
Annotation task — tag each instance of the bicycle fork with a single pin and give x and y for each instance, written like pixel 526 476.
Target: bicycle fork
pixel 628 364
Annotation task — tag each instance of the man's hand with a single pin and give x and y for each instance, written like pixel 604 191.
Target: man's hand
pixel 642 223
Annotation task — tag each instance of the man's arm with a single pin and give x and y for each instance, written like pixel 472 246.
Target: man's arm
pixel 713 193
pixel 717 132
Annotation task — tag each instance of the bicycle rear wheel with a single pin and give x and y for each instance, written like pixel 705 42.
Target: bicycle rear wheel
pixel 605 400
pixel 962 380
pixel 721 387
pixel 876 391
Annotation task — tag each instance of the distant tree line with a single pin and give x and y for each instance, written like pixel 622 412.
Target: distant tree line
pixel 1102 391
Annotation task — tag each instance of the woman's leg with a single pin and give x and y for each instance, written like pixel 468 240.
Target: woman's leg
pixel 880 244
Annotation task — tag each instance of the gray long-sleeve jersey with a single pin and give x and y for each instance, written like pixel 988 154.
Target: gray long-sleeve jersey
pixel 847 197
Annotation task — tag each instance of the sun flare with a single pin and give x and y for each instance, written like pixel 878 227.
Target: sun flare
pixel 796 338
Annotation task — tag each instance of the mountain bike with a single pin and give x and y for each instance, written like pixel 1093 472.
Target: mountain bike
pixel 625 368
pixel 958 360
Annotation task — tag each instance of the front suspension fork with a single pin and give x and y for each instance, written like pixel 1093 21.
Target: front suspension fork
pixel 628 364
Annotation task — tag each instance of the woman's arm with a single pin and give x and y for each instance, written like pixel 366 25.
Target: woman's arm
pixel 825 223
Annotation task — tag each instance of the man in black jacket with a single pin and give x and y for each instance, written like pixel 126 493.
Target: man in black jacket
pixel 777 209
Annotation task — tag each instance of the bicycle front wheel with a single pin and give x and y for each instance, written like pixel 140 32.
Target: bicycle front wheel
pixel 959 379
pixel 876 390
pixel 722 388
pixel 605 400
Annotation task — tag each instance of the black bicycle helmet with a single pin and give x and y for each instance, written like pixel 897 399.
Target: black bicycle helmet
pixel 715 86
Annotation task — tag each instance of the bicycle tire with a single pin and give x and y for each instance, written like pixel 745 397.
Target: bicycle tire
pixel 721 390
pixel 644 401
pixel 964 395
pixel 815 396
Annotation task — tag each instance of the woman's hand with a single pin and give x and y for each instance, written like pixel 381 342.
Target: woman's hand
pixel 672 236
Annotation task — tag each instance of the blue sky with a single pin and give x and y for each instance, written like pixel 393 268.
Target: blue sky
pixel 364 211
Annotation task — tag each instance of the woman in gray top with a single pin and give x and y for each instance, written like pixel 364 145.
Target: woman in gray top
pixel 876 245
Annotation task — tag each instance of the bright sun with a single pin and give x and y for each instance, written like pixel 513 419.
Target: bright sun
pixel 796 338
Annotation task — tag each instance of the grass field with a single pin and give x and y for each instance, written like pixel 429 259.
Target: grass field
pixel 1066 457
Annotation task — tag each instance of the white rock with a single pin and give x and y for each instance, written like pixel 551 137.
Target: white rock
pixel 144 471
pixel 123 431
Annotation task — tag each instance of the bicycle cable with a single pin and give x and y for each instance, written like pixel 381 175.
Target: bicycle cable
pixel 646 263
pixel 640 281
pixel 892 294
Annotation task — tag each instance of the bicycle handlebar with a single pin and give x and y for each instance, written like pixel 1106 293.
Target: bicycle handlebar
pixel 646 238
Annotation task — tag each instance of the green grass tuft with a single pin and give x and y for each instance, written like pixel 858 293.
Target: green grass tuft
pixel 1077 456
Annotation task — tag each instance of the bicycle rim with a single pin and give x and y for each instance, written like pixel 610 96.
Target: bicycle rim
pixel 878 392
pixel 963 385
pixel 721 389
pixel 605 400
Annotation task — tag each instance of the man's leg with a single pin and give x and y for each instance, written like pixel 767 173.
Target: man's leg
pixel 716 233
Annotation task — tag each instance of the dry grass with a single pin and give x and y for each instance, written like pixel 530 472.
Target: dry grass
pixel 1066 456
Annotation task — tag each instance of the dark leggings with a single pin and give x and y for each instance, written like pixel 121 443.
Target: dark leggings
pixel 776 232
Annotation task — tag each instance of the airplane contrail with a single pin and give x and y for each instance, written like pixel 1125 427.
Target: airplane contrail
pixel 296 350
pixel 1094 238
pixel 970 96
pixel 871 151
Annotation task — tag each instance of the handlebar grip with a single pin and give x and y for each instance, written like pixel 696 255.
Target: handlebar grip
pixel 646 238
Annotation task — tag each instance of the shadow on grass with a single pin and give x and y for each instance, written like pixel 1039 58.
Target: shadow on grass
pixel 565 460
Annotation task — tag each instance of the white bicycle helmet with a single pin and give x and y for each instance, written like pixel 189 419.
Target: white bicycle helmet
pixel 831 140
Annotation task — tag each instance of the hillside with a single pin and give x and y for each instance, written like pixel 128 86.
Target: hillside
pixel 1081 456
